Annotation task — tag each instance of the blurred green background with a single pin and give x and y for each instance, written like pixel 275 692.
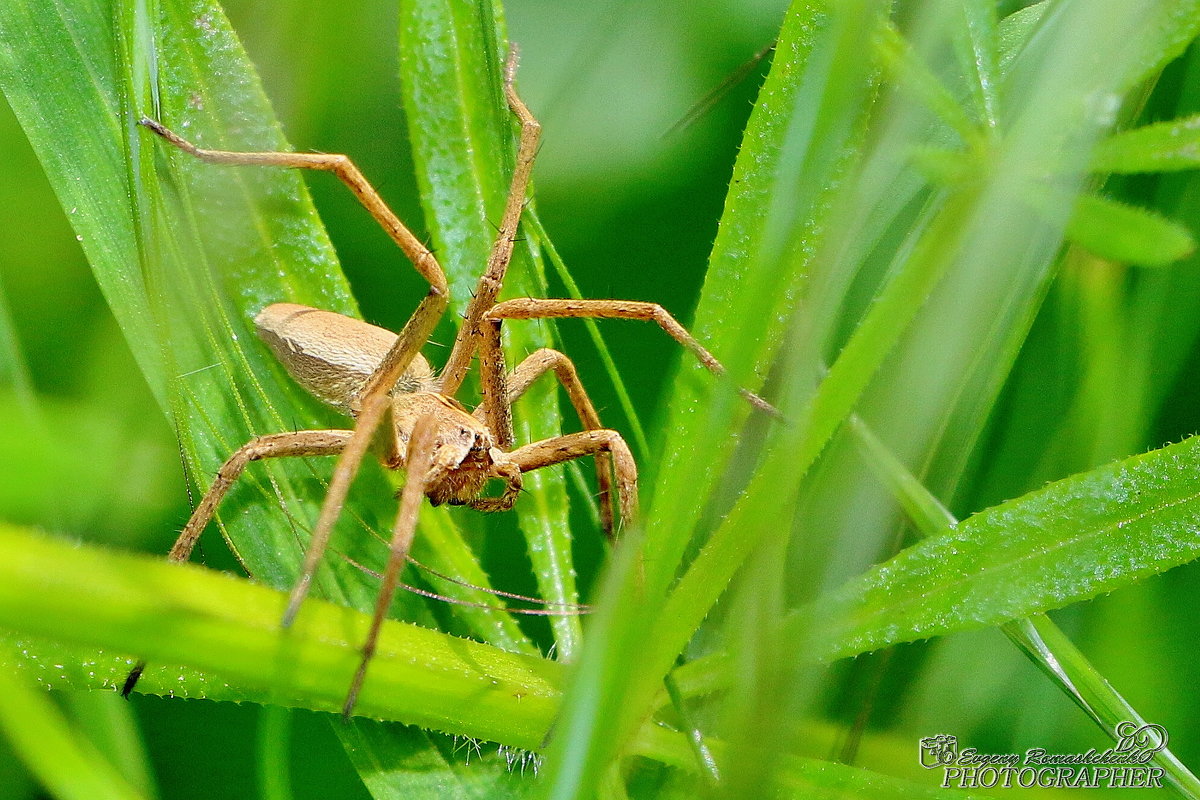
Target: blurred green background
pixel 89 454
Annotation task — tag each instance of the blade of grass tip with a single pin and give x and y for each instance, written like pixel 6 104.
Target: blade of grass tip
pixel 464 152
pixel 1128 234
pixel 1038 637
pixel 66 765
pixel 1161 147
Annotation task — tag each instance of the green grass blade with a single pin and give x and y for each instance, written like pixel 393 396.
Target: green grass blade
pixel 912 75
pixel 755 269
pixel 69 767
pixel 955 262
pixel 14 373
pixel 85 597
pixel 109 722
pixel 978 47
pixel 1162 147
pixel 438 770
pixel 462 134
pixel 274 746
pixel 213 622
pixel 1038 637
pixel 1056 655
pixel 1076 539
pixel 1127 234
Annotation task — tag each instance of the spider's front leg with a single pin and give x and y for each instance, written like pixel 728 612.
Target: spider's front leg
pixel 419 460
pixel 475 334
pixel 533 367
pixel 534 308
pixel 597 443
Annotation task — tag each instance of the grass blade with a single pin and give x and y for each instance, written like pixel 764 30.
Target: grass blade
pixel 1074 540
pixel 69 767
pixel 1127 234
pixel 451 57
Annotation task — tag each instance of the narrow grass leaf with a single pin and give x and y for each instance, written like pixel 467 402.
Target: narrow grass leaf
pixel 462 133
pixel 1127 234
pixel 69 767
pixel 81 597
pixel 978 46
pixel 796 143
pixel 188 615
pixel 1037 636
pixel 912 76
pixel 1161 147
pixel 1074 540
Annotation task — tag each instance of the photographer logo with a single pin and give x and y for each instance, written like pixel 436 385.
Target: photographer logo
pixel 1125 765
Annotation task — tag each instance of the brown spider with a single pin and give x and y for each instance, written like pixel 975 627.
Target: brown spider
pixel 378 377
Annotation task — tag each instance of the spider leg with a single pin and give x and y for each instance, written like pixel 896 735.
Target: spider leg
pixel 586 443
pixel 492 280
pixel 533 367
pixel 419 467
pixel 275 445
pixel 531 308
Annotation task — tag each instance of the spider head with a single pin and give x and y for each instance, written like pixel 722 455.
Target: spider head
pixel 465 456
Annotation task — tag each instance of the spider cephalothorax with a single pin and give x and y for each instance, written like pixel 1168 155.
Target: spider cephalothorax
pixel 465 456
pixel 332 356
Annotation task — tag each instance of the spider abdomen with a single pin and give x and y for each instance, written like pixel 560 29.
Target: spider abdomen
pixel 332 355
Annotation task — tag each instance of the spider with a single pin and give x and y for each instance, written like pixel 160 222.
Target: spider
pixel 380 379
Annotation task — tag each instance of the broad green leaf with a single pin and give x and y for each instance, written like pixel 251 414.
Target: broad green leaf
pixel 187 254
pixel 1127 234
pixel 1071 541
pixel 1161 147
